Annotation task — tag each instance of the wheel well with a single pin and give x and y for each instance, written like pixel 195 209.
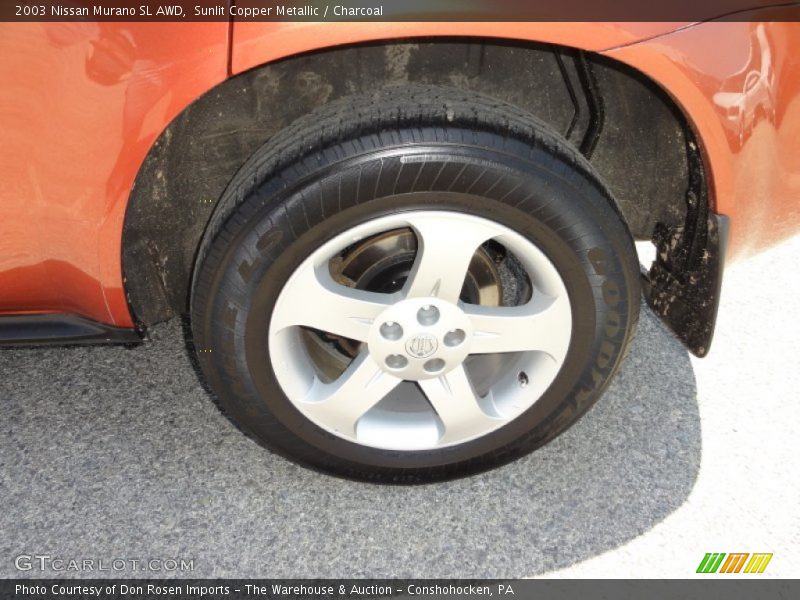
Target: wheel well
pixel 633 134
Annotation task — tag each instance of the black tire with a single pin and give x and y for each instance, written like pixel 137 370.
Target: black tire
pixel 281 205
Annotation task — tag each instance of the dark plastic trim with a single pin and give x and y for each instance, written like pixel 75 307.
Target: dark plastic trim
pixel 687 300
pixel 59 330
pixel 684 283
pixel 589 115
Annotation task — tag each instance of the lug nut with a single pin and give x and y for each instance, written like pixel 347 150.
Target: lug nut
pixel 391 330
pixel 428 315
pixel 454 337
pixel 434 365
pixel 396 361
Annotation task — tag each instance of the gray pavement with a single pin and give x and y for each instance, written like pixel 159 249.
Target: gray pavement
pixel 120 453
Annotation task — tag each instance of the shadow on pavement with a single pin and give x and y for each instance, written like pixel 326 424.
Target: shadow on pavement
pixel 117 453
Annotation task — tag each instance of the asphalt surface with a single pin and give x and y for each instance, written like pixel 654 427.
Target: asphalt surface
pixel 747 494
pixel 120 453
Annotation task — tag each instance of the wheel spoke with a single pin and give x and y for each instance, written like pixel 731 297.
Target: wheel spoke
pixel 445 249
pixel 455 401
pixel 543 324
pixel 339 405
pixel 312 298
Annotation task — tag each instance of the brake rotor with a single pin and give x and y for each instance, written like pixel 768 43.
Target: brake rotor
pixel 383 262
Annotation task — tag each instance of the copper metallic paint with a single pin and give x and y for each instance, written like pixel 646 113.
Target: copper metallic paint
pixel 81 104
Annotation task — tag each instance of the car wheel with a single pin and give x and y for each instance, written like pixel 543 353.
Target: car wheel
pixel 413 285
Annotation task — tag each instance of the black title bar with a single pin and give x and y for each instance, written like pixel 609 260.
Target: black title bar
pixel 397 10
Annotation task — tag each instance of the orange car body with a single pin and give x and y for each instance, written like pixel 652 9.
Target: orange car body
pixel 81 104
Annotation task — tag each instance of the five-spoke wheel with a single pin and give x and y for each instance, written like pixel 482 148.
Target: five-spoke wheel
pixel 423 334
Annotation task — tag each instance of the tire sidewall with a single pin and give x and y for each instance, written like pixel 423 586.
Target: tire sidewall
pixel 564 214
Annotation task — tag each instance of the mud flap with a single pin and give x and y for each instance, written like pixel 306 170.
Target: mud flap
pixel 684 282
pixel 686 298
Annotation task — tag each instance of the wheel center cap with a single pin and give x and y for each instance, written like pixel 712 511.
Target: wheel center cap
pixel 420 338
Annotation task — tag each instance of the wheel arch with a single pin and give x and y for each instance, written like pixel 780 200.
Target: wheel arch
pixel 636 135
